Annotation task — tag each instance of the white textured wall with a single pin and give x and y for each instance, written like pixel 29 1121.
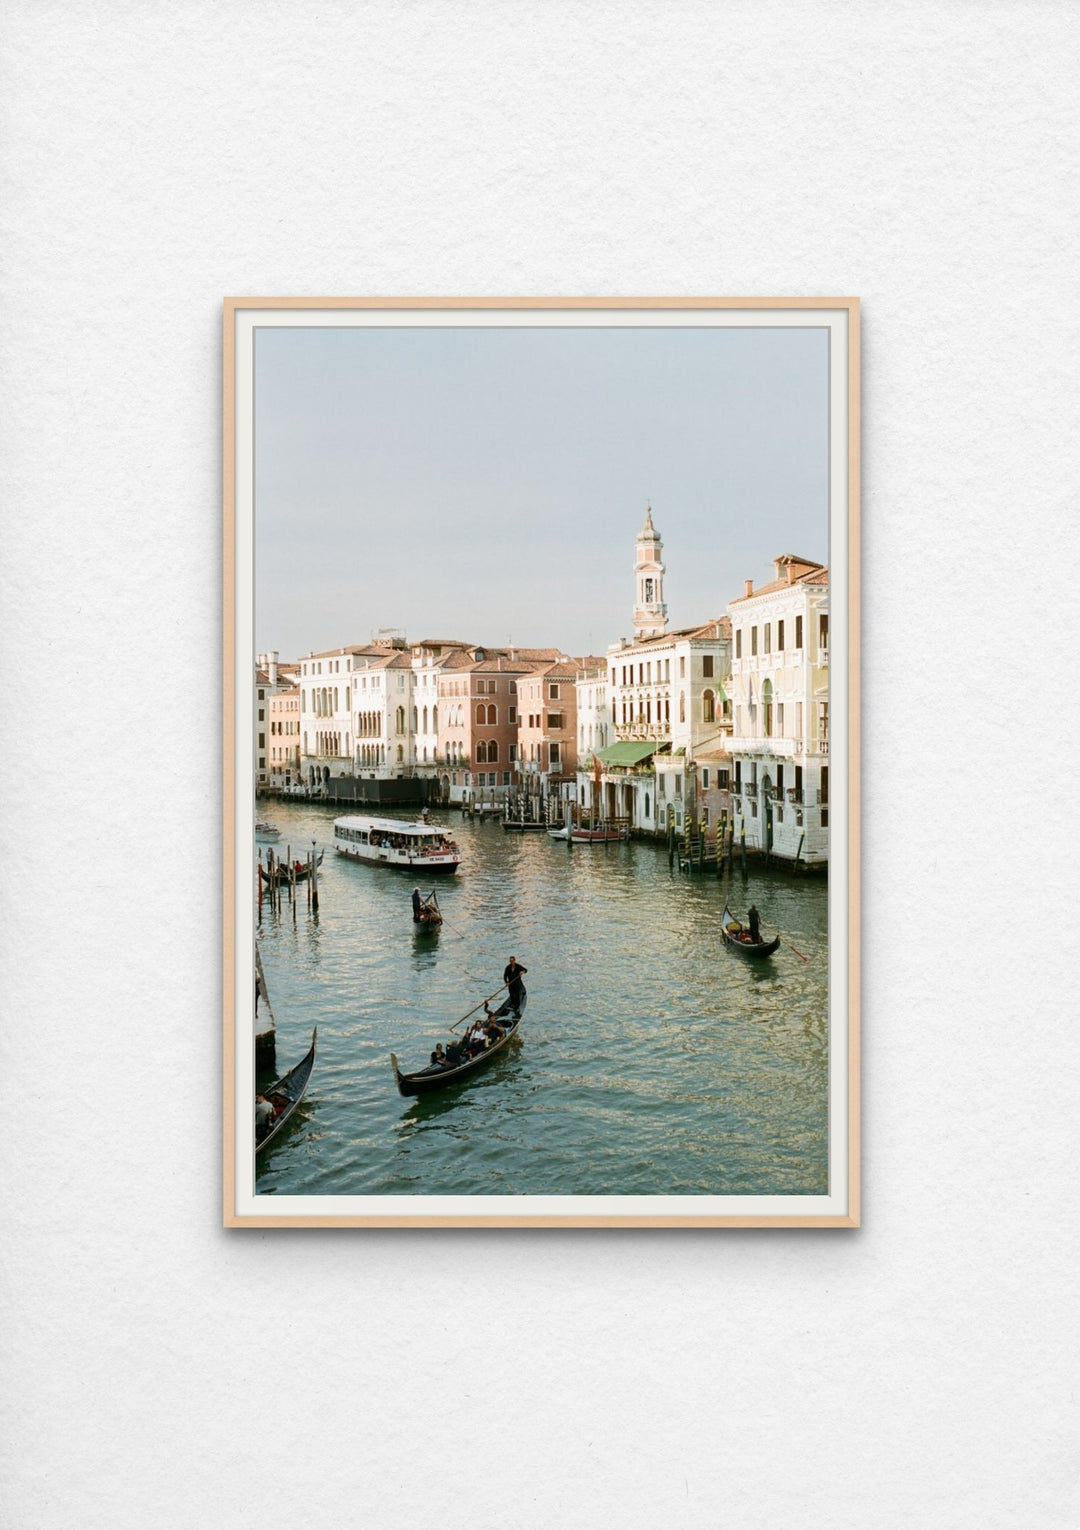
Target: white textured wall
pixel 158 1372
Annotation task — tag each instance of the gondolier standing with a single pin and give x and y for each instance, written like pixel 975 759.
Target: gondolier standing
pixel 755 924
pixel 512 977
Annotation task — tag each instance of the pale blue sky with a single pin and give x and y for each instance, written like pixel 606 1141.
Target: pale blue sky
pixel 488 484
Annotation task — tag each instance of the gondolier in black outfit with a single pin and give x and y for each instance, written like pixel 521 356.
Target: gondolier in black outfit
pixel 512 977
pixel 755 924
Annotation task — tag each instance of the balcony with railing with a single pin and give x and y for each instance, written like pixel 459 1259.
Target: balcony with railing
pixel 773 746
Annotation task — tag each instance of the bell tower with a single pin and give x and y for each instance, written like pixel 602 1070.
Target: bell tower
pixel 650 612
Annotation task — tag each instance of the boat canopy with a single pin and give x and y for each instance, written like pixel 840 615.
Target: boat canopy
pixel 391 826
pixel 626 753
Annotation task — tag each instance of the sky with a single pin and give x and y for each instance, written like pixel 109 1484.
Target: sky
pixel 488 485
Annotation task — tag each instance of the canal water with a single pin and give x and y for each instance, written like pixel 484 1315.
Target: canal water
pixel 653 1060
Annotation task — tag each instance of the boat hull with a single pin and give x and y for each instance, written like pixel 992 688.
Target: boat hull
pixel 754 951
pixel 430 865
pixel 293 1086
pixel 428 1080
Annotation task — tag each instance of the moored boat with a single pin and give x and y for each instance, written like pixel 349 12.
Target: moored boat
pixel 266 833
pixel 285 1095
pixel 440 1075
pixel 395 842
pixel 297 872
pixel 606 834
pixel 737 936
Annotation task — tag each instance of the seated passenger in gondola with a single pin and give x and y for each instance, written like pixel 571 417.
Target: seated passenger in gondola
pixel 264 1115
pixel 454 1054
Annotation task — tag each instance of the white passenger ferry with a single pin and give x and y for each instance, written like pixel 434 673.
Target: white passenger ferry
pixel 420 847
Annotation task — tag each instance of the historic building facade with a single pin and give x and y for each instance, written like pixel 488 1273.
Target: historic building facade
pixel 780 695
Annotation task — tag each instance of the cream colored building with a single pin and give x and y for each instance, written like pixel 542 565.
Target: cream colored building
pixel 779 690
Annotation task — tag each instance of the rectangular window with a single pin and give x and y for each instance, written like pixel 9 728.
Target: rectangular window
pixel 823 633
pixel 678 786
pixel 512 717
pixel 554 754
pixel 779 637
pixel 513 687
pixel 553 693
pixel 513 753
pixel 768 637
pixel 780 718
pixel 724 781
pixel 798 632
pixel 753 640
pixel 506 778
pixel 660 785
pixel 705 778
pixel 707 666
pixel 738 643
pixel 556 720
pixel 262 740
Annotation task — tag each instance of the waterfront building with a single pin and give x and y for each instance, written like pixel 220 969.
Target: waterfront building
pixel 479 711
pixel 429 660
pixel 283 751
pixel 548 726
pixel 356 713
pixel 779 690
pixel 593 725
pixel 271 678
pixel 665 702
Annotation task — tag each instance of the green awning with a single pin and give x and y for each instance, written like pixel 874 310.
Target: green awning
pixel 626 753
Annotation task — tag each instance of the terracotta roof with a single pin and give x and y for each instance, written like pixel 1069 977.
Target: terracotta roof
pixel 819 574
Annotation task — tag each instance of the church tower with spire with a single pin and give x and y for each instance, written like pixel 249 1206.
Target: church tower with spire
pixel 650 612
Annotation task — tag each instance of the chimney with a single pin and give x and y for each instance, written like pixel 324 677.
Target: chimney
pixel 791 573
pixel 271 665
pixel 749 588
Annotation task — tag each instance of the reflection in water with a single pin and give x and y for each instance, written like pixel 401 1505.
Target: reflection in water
pixel 653 1059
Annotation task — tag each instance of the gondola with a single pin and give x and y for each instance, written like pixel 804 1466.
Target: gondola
pixel 427 916
pixel 428 1079
pixel 754 949
pixel 287 1093
pixel 281 872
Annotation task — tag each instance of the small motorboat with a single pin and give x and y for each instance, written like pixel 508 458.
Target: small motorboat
pixel 285 1095
pixel 266 833
pixel 737 935
pixel 606 834
pixel 439 1075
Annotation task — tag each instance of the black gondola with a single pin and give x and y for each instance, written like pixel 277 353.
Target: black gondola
pixel 282 872
pixel 286 1094
pixel 427 916
pixel 733 931
pixel 436 1077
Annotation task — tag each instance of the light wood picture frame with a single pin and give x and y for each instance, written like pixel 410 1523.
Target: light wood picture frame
pixel 317 387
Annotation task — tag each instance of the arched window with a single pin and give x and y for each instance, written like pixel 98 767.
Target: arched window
pixel 767 708
pixel 435 719
pixel 414 719
pixel 481 753
pixel 492 716
pixel 708 707
pixel 400 754
pixel 493 752
pixel 400 722
pixel 425 719
pixel 481 713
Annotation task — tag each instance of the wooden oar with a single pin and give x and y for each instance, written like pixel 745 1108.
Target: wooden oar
pixel 789 947
pixel 478 1006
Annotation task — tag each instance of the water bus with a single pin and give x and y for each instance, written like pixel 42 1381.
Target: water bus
pixel 417 847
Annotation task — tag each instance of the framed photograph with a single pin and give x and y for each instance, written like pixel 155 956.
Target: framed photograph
pixel 541 762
